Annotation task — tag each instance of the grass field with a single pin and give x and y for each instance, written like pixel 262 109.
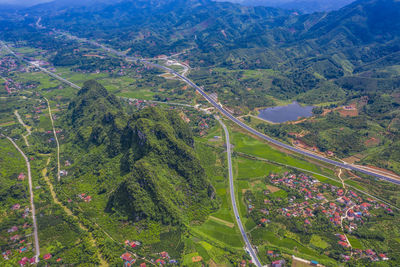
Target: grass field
pixel 11 163
pixel 248 168
pixel 355 243
pixel 217 231
pixel 248 145
pixel 317 241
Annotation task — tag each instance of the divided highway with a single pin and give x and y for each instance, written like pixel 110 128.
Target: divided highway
pixel 250 249
pixel 263 136
pixel 220 108
pixel 231 117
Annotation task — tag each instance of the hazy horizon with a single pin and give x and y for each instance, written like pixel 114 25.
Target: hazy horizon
pixel 23 2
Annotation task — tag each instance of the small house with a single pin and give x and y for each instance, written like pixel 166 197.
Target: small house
pixel 21 176
pixel 23 261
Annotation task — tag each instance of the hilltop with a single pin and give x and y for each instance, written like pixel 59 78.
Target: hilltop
pixel 155 152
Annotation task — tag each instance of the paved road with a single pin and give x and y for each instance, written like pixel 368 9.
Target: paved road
pixel 221 109
pixel 248 128
pixel 55 138
pixel 35 233
pixel 40 68
pixel 276 142
pixel 250 249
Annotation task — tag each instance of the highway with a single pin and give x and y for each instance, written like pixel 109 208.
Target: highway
pixel 40 68
pixel 267 138
pixel 33 211
pixel 250 249
pixel 220 108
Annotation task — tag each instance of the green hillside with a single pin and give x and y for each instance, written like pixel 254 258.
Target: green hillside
pixel 155 149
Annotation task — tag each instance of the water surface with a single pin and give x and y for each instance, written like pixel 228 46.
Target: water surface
pixel 291 112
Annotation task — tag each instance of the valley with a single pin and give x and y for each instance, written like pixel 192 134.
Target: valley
pixel 146 155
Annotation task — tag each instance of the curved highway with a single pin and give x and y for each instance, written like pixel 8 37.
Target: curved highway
pixel 250 249
pixel 263 136
pixel 217 106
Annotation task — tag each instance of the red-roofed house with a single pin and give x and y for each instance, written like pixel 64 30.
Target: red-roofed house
pixel 126 256
pixel 370 252
pixel 164 254
pixel 23 261
pixel 14 238
pixel 47 257
pixel 383 257
pixel 21 176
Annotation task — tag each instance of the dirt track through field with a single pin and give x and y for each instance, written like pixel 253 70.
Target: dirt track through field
pixel 68 211
pixel 229 224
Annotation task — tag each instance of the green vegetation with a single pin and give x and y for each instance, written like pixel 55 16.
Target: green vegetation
pixel 138 173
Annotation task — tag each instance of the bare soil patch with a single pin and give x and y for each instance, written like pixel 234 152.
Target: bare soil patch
pixel 197 259
pixel 226 223
pixel 272 188
pixel 372 142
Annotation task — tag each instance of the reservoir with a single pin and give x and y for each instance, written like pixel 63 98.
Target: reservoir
pixel 291 112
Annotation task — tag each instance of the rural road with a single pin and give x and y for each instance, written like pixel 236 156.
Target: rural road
pixel 35 233
pixel 236 120
pixel 55 138
pixel 25 126
pixel 219 107
pixel 250 249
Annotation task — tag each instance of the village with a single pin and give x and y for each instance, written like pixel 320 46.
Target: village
pixel 306 197
pixel 19 235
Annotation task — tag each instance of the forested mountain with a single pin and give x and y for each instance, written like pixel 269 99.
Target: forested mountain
pixel 340 57
pixel 155 149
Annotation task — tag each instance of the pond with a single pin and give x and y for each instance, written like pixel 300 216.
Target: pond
pixel 291 112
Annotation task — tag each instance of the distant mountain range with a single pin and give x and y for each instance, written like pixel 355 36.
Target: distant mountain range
pixel 306 6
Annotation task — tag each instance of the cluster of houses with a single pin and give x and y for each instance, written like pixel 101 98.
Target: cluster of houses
pixel 25 260
pixel 366 254
pixel 19 245
pixel 129 259
pixel 344 208
pixel 39 109
pixel 164 259
pixel 12 86
pixel 359 253
pixel 342 205
pixel 203 126
pixel 8 63
pixel 140 104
